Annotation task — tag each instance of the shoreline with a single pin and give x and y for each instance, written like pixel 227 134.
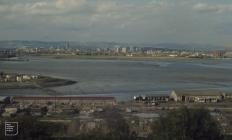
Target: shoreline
pixel 135 58
pixel 14 59
pixel 43 82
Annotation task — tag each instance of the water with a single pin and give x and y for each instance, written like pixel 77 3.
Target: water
pixel 122 78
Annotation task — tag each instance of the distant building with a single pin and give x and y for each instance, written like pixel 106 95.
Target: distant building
pixel 229 95
pixel 116 48
pixel 228 54
pixel 19 78
pixel 9 78
pixel 152 98
pixel 219 53
pixel 7 53
pixel 26 77
pixel 124 50
pixel 9 111
pixel 202 96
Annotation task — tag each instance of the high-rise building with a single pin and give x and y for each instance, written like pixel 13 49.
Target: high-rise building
pixel 124 50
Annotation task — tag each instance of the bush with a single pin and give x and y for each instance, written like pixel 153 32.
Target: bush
pixel 186 124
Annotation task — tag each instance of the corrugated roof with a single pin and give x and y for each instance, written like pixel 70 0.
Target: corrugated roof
pixel 208 92
pixel 156 95
pixel 62 98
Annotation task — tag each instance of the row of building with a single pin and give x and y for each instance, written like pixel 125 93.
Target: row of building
pixel 9 77
pixel 199 96
pixel 122 50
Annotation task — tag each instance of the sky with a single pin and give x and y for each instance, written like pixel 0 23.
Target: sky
pixel 131 21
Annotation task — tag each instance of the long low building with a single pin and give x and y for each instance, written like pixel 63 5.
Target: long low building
pixel 152 98
pixel 202 96
pixel 66 100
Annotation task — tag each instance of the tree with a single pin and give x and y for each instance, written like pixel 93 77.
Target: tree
pixel 44 110
pixel 118 128
pixel 186 124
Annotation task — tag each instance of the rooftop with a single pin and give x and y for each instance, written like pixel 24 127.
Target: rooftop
pixel 208 92
pixel 63 98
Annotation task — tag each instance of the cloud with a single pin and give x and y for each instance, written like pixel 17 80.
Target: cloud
pixel 43 7
pixel 106 7
pixel 27 8
pixel 219 8
pixel 119 20
pixel 67 4
pixel 3 8
pixel 96 8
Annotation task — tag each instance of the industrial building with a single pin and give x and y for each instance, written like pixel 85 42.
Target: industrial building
pixel 156 98
pixel 203 96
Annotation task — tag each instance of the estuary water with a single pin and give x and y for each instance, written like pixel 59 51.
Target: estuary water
pixel 124 78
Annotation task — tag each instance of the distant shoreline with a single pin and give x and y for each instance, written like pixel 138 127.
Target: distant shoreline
pixel 122 57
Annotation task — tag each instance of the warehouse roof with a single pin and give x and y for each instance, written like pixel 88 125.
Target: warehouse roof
pixel 208 92
pixel 63 98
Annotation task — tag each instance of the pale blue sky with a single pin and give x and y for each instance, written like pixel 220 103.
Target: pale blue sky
pixel 135 21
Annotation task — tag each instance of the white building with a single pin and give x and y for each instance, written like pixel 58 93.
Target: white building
pixel 197 95
pixel 26 77
pixel 124 50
